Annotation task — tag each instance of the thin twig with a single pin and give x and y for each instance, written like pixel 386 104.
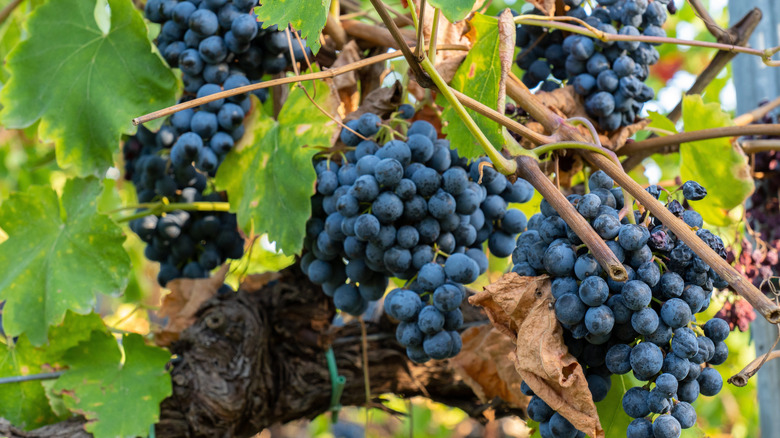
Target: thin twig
pixel 420 49
pixel 534 20
pixel 8 10
pixel 704 15
pixel 288 80
pixel 496 116
pixel 757 114
pixel 160 208
pixel 433 39
pixel 741 378
pixel 31 377
pixel 756 146
pixel 420 76
pixel 656 144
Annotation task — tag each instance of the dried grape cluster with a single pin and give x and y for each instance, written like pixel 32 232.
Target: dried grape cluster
pixel 645 325
pixel 412 210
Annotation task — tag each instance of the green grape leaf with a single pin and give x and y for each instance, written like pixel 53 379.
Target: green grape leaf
pixel 25 404
pixel 117 397
pixel 306 16
pixel 716 164
pixel 59 253
pixel 613 419
pixel 454 10
pixel 85 86
pixel 273 177
pixel 660 121
pixel 477 77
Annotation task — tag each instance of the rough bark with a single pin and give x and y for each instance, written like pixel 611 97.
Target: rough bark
pixel 257 358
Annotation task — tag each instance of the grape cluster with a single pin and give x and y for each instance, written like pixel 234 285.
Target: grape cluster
pixel 609 75
pixel 646 324
pixel 186 243
pixel 218 45
pixel 413 210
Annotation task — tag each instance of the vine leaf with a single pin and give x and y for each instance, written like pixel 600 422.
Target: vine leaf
pixel 478 77
pixel 454 10
pixel 716 164
pixel 106 389
pixel 273 176
pixel 85 86
pixel 59 253
pixel 25 404
pixel 306 16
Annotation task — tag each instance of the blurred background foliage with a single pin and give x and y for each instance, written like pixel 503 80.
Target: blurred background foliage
pixel 25 161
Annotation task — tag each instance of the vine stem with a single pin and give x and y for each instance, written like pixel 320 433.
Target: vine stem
pixel 528 169
pixel 8 10
pixel 554 123
pixel 155 209
pixel 756 146
pixel 554 23
pixel 507 167
pixel 434 36
pixel 281 81
pixel 575 145
pixel 656 144
pixel 743 287
pixel 741 378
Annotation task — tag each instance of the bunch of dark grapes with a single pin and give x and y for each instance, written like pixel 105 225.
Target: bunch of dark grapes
pixel 609 75
pixel 412 210
pixel 645 325
pixel 218 45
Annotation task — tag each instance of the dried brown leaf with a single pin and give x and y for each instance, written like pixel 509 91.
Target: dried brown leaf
pixel 381 102
pixel 485 366
pixel 449 33
pixel 567 103
pixel 506 52
pixel 546 6
pixel 255 282
pixel 448 67
pixel 348 55
pixel 522 307
pixel 183 302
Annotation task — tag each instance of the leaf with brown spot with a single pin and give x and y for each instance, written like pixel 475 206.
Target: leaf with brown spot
pixel 522 308
pixel 183 302
pixel 484 365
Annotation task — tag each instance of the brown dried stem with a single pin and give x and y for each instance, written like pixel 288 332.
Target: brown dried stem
pixel 528 169
pixel 288 80
pixel 704 15
pixel 741 378
pixel 420 76
pixel 563 131
pixel 756 114
pixel 657 144
pixel 8 9
pixel 756 146
pixel 740 284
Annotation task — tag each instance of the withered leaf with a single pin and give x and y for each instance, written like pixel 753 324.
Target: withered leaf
pixel 506 52
pixel 381 102
pixel 521 307
pixel 546 6
pixel 184 300
pixel 485 366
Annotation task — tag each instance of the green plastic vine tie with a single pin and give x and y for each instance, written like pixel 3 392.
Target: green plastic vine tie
pixel 503 165
pixel 151 432
pixel 337 383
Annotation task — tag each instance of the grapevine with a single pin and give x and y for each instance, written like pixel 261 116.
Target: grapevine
pixel 217 216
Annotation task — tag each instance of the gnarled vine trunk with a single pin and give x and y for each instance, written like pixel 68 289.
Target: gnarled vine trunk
pixel 257 358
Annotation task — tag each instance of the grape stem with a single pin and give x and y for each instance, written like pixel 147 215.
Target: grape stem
pixel 555 124
pixel 159 208
pixel 434 36
pixel 575 145
pixel 529 170
pixel 281 81
pixel 741 378
pixel 556 22
pixel 657 144
pixel 8 9
pixel 507 167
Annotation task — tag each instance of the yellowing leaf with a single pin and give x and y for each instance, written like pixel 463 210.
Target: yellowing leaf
pixel 716 164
